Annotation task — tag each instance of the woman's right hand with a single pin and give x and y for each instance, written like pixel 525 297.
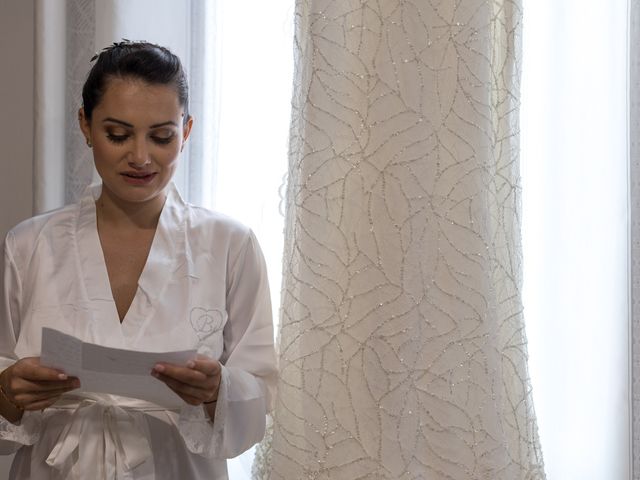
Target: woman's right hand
pixel 28 385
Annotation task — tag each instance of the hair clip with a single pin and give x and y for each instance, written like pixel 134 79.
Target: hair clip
pixel 123 43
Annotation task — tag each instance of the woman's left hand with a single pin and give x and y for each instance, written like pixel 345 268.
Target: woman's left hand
pixel 195 383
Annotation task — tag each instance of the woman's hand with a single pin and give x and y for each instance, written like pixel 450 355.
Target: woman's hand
pixel 196 383
pixel 27 385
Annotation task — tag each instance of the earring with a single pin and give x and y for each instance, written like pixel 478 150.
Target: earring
pixel 89 143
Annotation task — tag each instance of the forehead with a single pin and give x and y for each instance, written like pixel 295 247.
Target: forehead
pixel 138 102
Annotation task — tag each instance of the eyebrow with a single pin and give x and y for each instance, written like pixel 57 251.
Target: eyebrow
pixel 156 125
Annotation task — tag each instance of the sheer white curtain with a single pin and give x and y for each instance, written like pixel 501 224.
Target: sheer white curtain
pixel 255 81
pixel 574 170
pixel 401 342
pixel 254 91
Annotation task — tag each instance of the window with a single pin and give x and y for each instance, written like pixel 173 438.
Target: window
pixel 574 172
pixel 255 84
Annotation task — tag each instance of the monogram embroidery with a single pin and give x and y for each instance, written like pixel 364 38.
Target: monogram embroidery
pixel 205 322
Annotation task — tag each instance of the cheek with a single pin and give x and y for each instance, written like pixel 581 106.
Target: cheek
pixel 99 159
pixel 105 153
pixel 169 158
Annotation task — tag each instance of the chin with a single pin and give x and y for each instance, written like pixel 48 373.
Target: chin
pixel 135 194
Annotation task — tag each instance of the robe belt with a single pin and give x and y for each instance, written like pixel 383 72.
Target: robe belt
pixel 109 437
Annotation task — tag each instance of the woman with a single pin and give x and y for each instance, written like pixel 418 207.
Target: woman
pixel 132 266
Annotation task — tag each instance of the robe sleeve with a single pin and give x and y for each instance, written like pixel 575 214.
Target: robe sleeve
pixel 248 361
pixel 28 431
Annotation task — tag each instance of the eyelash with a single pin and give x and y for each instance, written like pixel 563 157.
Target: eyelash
pixel 118 139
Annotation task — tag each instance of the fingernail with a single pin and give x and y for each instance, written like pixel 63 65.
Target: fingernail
pixel 159 368
pixel 154 373
pixel 62 376
pixel 191 364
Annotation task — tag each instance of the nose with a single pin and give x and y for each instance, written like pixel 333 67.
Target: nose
pixel 139 156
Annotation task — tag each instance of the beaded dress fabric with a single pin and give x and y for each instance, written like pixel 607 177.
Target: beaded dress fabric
pixel 402 345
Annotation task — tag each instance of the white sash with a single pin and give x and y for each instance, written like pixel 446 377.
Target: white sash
pixel 110 438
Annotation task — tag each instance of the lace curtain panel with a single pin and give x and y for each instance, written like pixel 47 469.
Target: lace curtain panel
pixel 402 345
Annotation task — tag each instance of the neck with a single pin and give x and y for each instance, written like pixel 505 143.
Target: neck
pixel 126 215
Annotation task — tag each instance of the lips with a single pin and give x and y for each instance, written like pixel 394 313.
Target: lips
pixel 138 178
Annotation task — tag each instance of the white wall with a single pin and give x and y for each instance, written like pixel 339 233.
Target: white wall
pixel 16 111
pixel 16 120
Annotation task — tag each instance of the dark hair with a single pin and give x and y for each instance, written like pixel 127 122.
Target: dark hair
pixel 138 60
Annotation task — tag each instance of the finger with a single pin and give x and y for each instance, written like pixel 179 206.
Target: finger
pixel 209 367
pixel 27 400
pixel 23 397
pixel 31 369
pixel 20 385
pixel 204 365
pixel 182 374
pixel 197 393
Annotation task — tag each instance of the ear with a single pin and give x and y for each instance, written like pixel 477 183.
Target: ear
pixel 186 128
pixel 85 126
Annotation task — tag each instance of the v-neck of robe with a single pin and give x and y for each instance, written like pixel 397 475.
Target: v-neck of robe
pixel 165 256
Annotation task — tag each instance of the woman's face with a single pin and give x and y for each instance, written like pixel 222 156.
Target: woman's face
pixel 137 132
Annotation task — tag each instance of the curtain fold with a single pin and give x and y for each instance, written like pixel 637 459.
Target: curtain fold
pixel 81 45
pixel 402 346
pixel 52 111
pixel 634 231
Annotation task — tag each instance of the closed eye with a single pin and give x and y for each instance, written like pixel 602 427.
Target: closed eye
pixel 162 140
pixel 117 138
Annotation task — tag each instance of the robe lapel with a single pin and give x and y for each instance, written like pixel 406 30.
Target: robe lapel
pixel 167 250
pixel 166 256
pixel 94 270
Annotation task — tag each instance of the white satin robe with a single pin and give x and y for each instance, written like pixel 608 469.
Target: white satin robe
pixel 204 286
